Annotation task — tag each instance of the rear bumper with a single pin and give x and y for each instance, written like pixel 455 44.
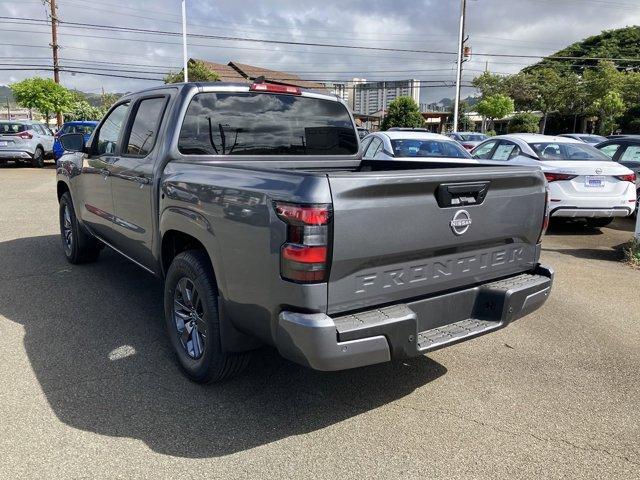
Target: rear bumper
pixel 15 155
pixel 409 329
pixel 576 212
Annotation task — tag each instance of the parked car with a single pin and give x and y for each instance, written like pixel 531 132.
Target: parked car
pixel 404 145
pixel 86 127
pixel 335 266
pixel 625 151
pixel 583 182
pixel 585 137
pixel 25 140
pixel 362 132
pixel 469 140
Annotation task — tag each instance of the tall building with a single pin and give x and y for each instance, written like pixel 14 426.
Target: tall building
pixel 370 97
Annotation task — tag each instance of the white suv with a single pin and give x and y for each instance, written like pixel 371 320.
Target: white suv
pixel 25 140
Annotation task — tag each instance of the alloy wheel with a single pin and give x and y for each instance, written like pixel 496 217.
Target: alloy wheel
pixel 67 229
pixel 188 313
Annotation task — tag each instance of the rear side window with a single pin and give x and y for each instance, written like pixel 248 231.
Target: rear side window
pixel 610 150
pixel 266 124
pixel 567 151
pixel 144 130
pixel 631 154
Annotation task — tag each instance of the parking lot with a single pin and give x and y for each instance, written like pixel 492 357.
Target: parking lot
pixel 89 388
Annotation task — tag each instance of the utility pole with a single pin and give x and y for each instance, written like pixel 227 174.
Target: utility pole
pixel 456 106
pixel 184 41
pixel 54 48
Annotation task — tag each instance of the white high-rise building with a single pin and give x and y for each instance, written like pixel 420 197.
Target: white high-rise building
pixel 371 97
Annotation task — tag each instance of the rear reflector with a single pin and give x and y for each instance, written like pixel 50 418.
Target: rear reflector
pixel 273 88
pixel 627 178
pixel 554 177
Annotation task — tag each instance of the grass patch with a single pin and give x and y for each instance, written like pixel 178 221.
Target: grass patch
pixel 632 253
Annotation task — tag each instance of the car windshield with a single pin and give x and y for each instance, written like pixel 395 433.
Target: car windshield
pixel 427 148
pixel 9 128
pixel 567 151
pixel 473 137
pixel 592 139
pixel 84 129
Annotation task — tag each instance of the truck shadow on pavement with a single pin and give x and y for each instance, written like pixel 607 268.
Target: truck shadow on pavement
pixel 95 338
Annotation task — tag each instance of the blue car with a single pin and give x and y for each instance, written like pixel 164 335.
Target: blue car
pixel 86 127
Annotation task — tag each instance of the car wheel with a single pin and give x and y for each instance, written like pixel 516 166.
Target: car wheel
pixel 193 320
pixel 78 245
pixel 598 222
pixel 38 158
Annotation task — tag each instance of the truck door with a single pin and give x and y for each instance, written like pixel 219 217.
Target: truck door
pixel 95 205
pixel 132 180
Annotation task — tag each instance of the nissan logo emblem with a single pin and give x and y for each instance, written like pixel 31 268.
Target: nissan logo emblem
pixel 461 222
pixel 598 171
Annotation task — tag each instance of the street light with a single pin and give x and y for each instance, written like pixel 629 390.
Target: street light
pixel 184 41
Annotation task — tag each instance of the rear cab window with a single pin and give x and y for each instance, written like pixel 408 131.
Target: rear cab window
pixel 249 123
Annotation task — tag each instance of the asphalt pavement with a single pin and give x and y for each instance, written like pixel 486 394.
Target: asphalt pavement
pixel 89 388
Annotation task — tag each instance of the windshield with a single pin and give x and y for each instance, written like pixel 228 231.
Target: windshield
pixel 473 137
pixel 427 148
pixel 266 124
pixel 84 129
pixel 567 151
pixel 592 139
pixel 9 128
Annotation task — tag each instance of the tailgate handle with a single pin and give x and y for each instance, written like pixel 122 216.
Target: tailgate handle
pixel 460 194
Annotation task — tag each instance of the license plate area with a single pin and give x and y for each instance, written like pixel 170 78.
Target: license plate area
pixel 594 181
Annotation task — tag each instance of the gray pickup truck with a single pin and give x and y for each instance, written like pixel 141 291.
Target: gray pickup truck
pixel 254 205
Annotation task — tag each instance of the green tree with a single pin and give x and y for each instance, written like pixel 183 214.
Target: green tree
pixel 489 84
pixel 42 94
pixel 609 108
pixel 402 112
pixel 83 110
pixel 495 106
pixel 524 122
pixel 198 72
pixel 549 92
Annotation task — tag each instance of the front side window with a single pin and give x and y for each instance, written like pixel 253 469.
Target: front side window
pixel 109 134
pixel 567 151
pixel 266 124
pixel 144 130
pixel 484 150
pixel 427 148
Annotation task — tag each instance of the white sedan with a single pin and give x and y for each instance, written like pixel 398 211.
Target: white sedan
pixel 407 145
pixel 583 182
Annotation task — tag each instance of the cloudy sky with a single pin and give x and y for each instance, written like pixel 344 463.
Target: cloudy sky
pixel 515 27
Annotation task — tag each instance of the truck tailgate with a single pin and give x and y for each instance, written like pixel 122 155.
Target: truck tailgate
pixel 405 234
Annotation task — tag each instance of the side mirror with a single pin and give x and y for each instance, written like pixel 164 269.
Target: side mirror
pixel 72 142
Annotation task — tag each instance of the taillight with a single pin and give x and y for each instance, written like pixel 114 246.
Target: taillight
pixel 25 135
pixel 273 88
pixel 304 257
pixel 627 178
pixel 467 146
pixel 546 219
pixel 554 177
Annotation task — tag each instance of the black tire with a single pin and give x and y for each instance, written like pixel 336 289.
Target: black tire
pixel 598 222
pixel 78 246
pixel 207 363
pixel 38 158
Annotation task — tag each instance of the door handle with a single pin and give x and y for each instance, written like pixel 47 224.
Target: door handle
pixel 105 172
pixel 143 180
